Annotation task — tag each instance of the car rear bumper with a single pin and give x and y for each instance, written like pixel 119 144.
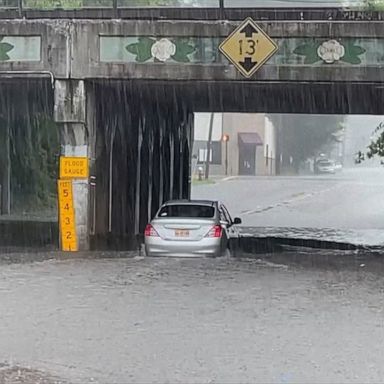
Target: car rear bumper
pixel 155 246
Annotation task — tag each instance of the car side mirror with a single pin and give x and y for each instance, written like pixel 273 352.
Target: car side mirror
pixel 237 221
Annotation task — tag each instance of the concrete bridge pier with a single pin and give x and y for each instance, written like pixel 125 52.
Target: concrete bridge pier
pixel 70 114
pixel 142 145
pixel 139 150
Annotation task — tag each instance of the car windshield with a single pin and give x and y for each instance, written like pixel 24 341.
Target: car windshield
pixel 184 210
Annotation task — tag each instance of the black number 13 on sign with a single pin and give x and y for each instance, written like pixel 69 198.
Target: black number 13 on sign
pixel 247 47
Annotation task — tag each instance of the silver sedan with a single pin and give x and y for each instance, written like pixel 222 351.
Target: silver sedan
pixel 190 228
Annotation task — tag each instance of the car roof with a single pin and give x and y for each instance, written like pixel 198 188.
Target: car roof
pixel 209 203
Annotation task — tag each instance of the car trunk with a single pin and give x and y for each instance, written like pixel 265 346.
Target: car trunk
pixel 182 229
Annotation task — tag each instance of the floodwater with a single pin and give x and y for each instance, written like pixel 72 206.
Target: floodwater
pixel 144 320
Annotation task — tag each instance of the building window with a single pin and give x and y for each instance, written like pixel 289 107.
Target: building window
pixel 215 153
pixel 203 155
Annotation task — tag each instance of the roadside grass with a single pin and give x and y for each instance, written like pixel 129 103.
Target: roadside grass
pixel 196 181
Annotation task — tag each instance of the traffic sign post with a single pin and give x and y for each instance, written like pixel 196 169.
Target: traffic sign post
pixel 248 47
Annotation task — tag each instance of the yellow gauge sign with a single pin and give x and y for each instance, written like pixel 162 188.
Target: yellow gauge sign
pixel 248 47
pixel 74 167
pixel 67 216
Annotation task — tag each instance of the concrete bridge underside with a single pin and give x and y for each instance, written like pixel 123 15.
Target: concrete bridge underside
pixel 138 135
pixel 144 136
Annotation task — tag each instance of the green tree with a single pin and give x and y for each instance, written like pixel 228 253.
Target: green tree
pixel 374 5
pixel 301 137
pixel 366 5
pixel 376 146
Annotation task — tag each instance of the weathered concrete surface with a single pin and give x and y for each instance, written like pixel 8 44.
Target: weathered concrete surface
pixel 88 66
pixel 70 113
pixel 55 38
pixel 192 321
pixel 70 101
pixel 281 11
pixel 70 49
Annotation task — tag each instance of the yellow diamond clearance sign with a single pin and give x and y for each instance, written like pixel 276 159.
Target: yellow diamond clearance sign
pixel 248 47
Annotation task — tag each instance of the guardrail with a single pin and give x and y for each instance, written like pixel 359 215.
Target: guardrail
pixel 87 4
pixel 115 4
pixel 194 9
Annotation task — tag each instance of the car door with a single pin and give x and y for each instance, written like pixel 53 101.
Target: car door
pixel 232 229
pixel 225 220
pixel 233 234
pixel 226 224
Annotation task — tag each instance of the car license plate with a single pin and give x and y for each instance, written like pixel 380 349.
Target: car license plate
pixel 181 233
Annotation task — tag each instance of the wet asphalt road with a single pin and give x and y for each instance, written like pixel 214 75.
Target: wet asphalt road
pixel 136 320
pixel 350 202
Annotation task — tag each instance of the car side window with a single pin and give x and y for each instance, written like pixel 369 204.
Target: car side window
pixel 228 216
pixel 224 216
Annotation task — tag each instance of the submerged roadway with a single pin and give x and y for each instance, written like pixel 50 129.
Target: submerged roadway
pixel 346 206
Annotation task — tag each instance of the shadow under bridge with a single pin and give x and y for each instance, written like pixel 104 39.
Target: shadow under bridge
pixel 143 139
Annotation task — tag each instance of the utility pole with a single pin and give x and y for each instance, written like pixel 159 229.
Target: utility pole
pixel 226 139
pixel 278 155
pixel 207 158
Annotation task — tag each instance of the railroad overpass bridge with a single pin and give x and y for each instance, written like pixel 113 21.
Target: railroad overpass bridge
pixel 122 92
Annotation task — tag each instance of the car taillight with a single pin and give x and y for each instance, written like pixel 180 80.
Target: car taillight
pixel 215 231
pixel 150 231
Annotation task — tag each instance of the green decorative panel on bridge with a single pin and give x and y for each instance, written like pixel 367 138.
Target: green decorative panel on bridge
pixel 345 51
pixel 204 50
pixel 323 51
pixel 150 49
pixel 20 48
